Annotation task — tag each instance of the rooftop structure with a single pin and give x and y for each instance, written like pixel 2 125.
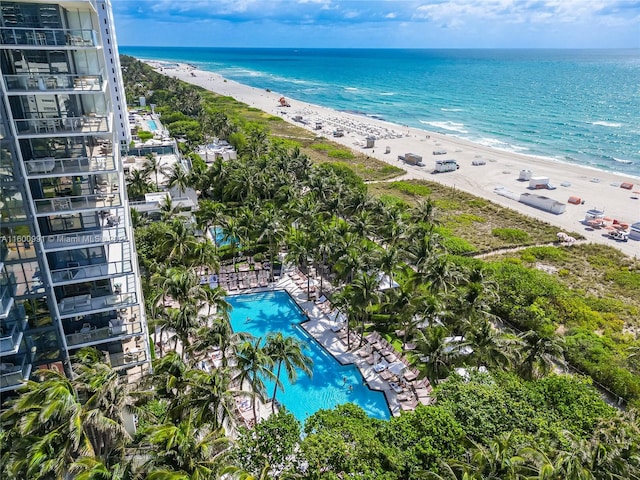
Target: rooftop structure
pixel 68 267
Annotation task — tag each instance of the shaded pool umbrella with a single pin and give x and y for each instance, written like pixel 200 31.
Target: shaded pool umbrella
pixel 397 368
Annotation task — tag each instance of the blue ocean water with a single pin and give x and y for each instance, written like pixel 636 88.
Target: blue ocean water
pixel 331 384
pixel 578 106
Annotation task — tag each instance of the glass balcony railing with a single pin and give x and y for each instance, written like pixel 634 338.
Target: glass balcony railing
pixel 84 304
pixel 58 81
pixel 7 292
pixel 132 357
pixel 70 166
pixel 61 126
pixel 14 373
pixel 11 336
pixel 85 238
pixel 98 335
pixel 88 272
pixel 86 202
pixel 48 37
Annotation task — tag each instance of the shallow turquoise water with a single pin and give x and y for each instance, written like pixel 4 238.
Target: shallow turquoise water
pixel 222 239
pixel 261 313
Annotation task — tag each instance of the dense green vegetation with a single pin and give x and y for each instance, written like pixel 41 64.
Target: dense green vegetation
pixel 520 420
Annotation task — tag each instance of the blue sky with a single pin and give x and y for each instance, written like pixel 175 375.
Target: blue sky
pixel 380 23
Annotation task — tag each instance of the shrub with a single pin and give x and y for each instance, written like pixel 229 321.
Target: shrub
pixel 143 135
pixel 412 188
pixel 511 235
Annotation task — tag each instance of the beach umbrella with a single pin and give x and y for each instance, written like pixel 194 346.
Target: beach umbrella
pixel 397 368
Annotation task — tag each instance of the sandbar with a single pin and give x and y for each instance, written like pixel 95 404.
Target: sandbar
pixel 598 189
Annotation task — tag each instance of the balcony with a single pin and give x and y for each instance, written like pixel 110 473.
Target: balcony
pixel 133 357
pixel 85 239
pixel 47 37
pixel 14 373
pixel 87 335
pixel 71 204
pixel 49 166
pixel 7 292
pixel 77 273
pixel 85 304
pixel 48 127
pixel 72 83
pixel 11 337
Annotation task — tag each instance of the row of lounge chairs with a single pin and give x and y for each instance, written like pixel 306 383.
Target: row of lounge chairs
pixel 301 281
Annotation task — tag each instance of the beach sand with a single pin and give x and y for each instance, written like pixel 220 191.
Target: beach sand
pixel 598 189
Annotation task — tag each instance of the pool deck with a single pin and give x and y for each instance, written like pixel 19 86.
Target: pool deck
pixel 319 327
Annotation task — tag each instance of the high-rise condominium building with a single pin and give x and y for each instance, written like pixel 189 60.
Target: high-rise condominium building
pixel 68 268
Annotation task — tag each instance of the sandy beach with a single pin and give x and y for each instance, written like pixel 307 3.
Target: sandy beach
pixel 596 188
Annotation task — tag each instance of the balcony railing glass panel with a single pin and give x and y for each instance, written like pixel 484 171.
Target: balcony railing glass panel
pixel 88 272
pixel 134 356
pixel 60 126
pixel 53 37
pixel 84 304
pixel 85 238
pixel 58 81
pixel 14 373
pixel 70 166
pixel 86 202
pixel 11 336
pixel 97 335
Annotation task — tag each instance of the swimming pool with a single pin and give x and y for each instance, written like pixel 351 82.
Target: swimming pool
pixel 332 384
pixel 221 238
pixel 153 126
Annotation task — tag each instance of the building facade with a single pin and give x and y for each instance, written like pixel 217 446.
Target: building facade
pixel 68 267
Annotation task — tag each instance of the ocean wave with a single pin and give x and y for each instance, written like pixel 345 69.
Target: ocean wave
pixel 452 126
pixel 452 109
pixel 351 89
pixel 387 94
pixel 602 123
pixel 622 160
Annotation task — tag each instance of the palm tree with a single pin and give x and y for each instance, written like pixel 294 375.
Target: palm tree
pixel 286 351
pixel 254 365
pixel 210 213
pixel 186 323
pixel 298 252
pixel 179 178
pixel 184 449
pixel 91 468
pixel 364 296
pixel 179 241
pixel 499 459
pixel 437 352
pixel 168 209
pixel 154 164
pixel 273 230
pixel 138 184
pixel 138 219
pixel 46 424
pixel 208 398
pixel 490 347
pixel 50 427
pixel 539 354
pixel 218 335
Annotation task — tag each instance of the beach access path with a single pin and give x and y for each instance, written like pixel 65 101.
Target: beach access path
pixel 597 188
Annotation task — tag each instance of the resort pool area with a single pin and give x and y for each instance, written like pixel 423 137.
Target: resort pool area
pixel 221 238
pixel 332 384
pixel 153 126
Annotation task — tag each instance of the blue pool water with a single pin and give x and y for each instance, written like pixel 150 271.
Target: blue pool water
pixel 222 239
pixel 261 313
pixel 153 126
